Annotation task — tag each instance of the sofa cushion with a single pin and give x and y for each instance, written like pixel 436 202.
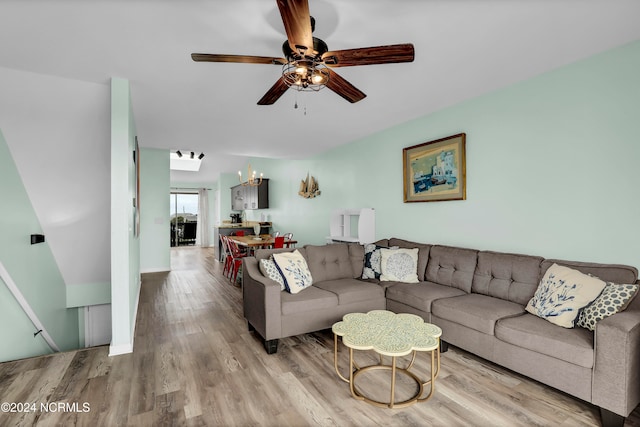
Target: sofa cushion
pixel 268 269
pixel 608 272
pixel 423 253
pixel 266 253
pixel 561 294
pixel 294 270
pixel 420 295
pixel 451 266
pixel 475 311
pixel 613 299
pixel 511 277
pixel 352 290
pixel 329 262
pixel 536 334
pixel 399 265
pixel 312 299
pixel 356 254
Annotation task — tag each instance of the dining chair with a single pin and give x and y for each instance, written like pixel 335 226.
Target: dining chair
pixel 288 237
pixel 239 233
pixel 237 260
pixel 226 255
pixel 278 242
pixel 276 233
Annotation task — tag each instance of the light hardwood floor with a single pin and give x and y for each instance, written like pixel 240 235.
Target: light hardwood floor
pixel 195 363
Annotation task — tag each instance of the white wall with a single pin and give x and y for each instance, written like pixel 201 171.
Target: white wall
pixel 58 133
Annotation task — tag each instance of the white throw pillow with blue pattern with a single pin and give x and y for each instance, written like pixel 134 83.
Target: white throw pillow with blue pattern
pixel 561 294
pixel 268 269
pixel 399 265
pixel 294 270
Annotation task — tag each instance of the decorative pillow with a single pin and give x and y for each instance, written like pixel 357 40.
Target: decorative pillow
pixel 613 299
pixel 268 269
pixel 372 259
pixel 294 270
pixel 399 265
pixel 561 294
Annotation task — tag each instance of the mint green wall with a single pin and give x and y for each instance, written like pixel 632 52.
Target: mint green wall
pixel 34 271
pixel 225 182
pixel 154 211
pixel 551 169
pixel 125 249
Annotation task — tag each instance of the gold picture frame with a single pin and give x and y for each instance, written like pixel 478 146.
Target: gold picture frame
pixel 435 171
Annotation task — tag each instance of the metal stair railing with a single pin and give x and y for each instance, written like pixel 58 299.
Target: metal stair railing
pixel 13 288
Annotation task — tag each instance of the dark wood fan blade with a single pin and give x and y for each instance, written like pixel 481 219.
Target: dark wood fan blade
pixel 370 55
pixel 344 88
pixel 274 93
pixel 246 59
pixel 297 24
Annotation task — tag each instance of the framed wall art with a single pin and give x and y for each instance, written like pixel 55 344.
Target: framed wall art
pixel 435 171
pixel 136 190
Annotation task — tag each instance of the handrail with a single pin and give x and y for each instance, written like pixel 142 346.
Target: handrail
pixel 6 278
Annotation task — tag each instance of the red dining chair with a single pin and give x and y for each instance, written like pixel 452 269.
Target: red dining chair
pixel 278 242
pixel 236 261
pixel 239 233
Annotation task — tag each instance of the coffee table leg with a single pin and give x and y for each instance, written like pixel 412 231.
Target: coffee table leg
pixel 434 374
pixel 351 372
pixel 335 358
pixel 393 382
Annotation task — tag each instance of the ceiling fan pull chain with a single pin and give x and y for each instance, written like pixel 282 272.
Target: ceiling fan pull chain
pixel 304 97
pixel 295 106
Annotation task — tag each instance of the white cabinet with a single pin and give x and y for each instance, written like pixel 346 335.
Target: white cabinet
pixel 353 225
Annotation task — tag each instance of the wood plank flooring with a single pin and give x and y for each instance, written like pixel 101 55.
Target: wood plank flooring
pixel 196 364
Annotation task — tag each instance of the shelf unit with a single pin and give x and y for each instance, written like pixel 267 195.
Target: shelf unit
pixel 353 225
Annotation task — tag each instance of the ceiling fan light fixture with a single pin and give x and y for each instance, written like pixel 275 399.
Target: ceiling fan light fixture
pixel 319 78
pixel 305 75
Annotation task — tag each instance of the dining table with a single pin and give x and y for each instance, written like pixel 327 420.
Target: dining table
pixel 255 242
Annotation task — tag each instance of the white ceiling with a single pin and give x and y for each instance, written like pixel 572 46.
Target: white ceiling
pixel 464 48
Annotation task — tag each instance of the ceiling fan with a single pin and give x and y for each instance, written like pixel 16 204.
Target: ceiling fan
pixel 308 62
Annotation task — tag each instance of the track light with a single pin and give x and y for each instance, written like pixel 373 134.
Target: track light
pixel 193 154
pixel 179 153
pixel 200 156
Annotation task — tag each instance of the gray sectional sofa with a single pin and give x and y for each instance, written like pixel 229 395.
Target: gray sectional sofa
pixel 478 298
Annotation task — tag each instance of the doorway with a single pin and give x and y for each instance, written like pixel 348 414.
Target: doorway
pixel 184 218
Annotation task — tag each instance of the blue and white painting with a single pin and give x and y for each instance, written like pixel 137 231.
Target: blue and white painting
pixel 435 171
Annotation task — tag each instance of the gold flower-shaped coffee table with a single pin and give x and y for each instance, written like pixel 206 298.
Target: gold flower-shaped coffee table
pixel 393 335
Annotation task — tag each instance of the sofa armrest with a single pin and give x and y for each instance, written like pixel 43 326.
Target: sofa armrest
pixel 261 300
pixel 616 373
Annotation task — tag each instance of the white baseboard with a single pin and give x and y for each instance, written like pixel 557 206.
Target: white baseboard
pixel 116 350
pixel 155 270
